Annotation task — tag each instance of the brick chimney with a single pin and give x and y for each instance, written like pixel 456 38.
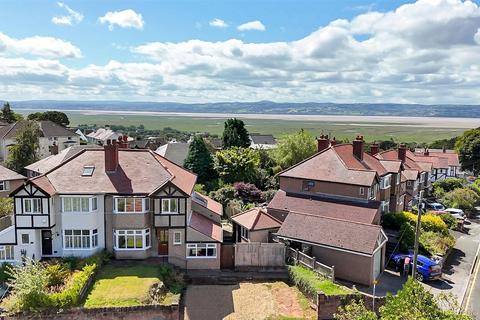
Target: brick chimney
pixel 374 148
pixel 54 149
pixel 111 156
pixel 444 149
pixel 425 152
pixel 358 147
pixel 402 152
pixel 323 143
pixel 333 142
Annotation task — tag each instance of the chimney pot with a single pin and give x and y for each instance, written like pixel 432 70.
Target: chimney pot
pixel 333 142
pixel 358 147
pixel 322 143
pixel 54 149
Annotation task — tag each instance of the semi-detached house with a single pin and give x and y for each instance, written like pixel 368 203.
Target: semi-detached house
pixel 133 203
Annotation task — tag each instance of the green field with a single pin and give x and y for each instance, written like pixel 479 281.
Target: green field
pixel 341 130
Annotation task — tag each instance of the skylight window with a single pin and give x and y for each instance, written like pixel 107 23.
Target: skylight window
pixel 88 171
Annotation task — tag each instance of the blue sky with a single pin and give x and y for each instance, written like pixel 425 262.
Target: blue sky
pixel 192 51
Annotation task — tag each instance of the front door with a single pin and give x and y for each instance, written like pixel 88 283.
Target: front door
pixel 46 243
pixel 162 236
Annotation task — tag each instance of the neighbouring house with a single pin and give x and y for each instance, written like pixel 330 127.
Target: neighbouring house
pixel 332 198
pixel 262 141
pixel 174 151
pixel 356 250
pixel 445 162
pixel 102 135
pixel 46 164
pixel 9 180
pixel 133 203
pixel 254 225
pixel 51 136
pixel 82 136
pixel 151 143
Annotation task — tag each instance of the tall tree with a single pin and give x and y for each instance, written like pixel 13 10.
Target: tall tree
pixel 7 114
pixel 24 152
pixel 468 147
pixel 199 160
pixel 235 134
pixel 58 117
pixel 237 164
pixel 293 148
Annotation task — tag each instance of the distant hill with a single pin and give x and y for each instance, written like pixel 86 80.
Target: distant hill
pixel 264 107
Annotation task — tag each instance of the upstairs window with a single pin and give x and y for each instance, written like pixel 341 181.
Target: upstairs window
pixel 170 205
pixel 244 232
pixel 132 205
pixel 3 185
pixel 398 178
pixel 79 204
pixel 361 191
pixel 308 185
pixel 32 205
pixel 385 182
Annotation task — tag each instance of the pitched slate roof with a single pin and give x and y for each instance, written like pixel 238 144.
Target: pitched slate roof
pixel 47 129
pixel 334 233
pixel 258 138
pixel 206 226
pixel 174 151
pixel 7 174
pixel 256 219
pixel 103 134
pixel 329 166
pixel 138 172
pixel 325 206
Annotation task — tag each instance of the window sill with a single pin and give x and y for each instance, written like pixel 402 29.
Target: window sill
pixel 142 212
pixel 177 244
pixel 80 249
pixel 202 257
pixel 131 249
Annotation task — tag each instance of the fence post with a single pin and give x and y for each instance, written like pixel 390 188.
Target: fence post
pixel 296 256
pixel 333 273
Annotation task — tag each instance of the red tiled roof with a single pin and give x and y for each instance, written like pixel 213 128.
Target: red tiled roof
pixel 350 212
pixel 369 162
pixel 437 162
pixel 329 166
pixel 392 166
pixel 341 234
pixel 138 172
pixel 7 174
pixel 256 219
pixel 410 174
pixel 451 156
pixel 207 202
pixel 392 154
pixel 206 226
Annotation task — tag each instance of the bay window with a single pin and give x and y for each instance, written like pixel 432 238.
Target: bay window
pixel 32 205
pixel 170 205
pixel 131 205
pixel 79 204
pixel 385 182
pixel 131 239
pixel 6 253
pixel 201 250
pixel 80 239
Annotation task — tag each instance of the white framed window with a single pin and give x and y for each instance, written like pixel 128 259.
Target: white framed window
pixel 131 239
pixel 372 192
pixel 32 205
pixel 399 176
pixel 177 237
pixel 385 181
pixel 243 232
pixel 79 204
pixel 415 185
pixel 361 191
pixel 201 250
pixel 131 204
pixel 385 206
pixel 3 185
pixel 170 205
pixel 6 253
pixel 25 238
pixel 80 239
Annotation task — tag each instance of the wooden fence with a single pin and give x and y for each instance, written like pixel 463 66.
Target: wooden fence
pixel 297 257
pixel 256 254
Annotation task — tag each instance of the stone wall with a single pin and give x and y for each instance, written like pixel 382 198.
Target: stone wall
pixel 151 312
pixel 328 305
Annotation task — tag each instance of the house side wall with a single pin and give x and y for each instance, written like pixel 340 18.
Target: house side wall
pixel 12 185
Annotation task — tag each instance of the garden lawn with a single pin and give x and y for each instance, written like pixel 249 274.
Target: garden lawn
pixel 122 286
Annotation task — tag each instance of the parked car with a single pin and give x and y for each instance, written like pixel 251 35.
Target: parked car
pixel 434 206
pixel 457 213
pixel 427 268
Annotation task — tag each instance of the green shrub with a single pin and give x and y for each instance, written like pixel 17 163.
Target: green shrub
pixel 434 243
pixel 449 184
pixel 70 296
pixel 311 283
pixel 57 274
pixel 71 262
pixel 172 279
pixel 5 274
pixel 449 220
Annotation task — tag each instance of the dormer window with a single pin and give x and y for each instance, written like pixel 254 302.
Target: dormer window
pixel 88 171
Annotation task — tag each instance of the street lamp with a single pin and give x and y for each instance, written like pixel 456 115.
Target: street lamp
pixel 417 235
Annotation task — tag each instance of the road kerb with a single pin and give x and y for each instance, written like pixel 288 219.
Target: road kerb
pixel 471 281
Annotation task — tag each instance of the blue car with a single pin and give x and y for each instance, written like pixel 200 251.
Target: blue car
pixel 427 269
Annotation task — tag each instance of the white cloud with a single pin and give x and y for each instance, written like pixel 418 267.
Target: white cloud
pixel 218 23
pixel 73 16
pixel 124 19
pixel 426 52
pixel 252 25
pixel 48 47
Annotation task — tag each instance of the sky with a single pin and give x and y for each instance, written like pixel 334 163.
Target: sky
pixel 210 51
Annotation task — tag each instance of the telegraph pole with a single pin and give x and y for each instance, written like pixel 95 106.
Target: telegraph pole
pixel 417 236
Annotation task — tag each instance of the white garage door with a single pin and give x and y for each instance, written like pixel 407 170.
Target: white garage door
pixel 377 264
